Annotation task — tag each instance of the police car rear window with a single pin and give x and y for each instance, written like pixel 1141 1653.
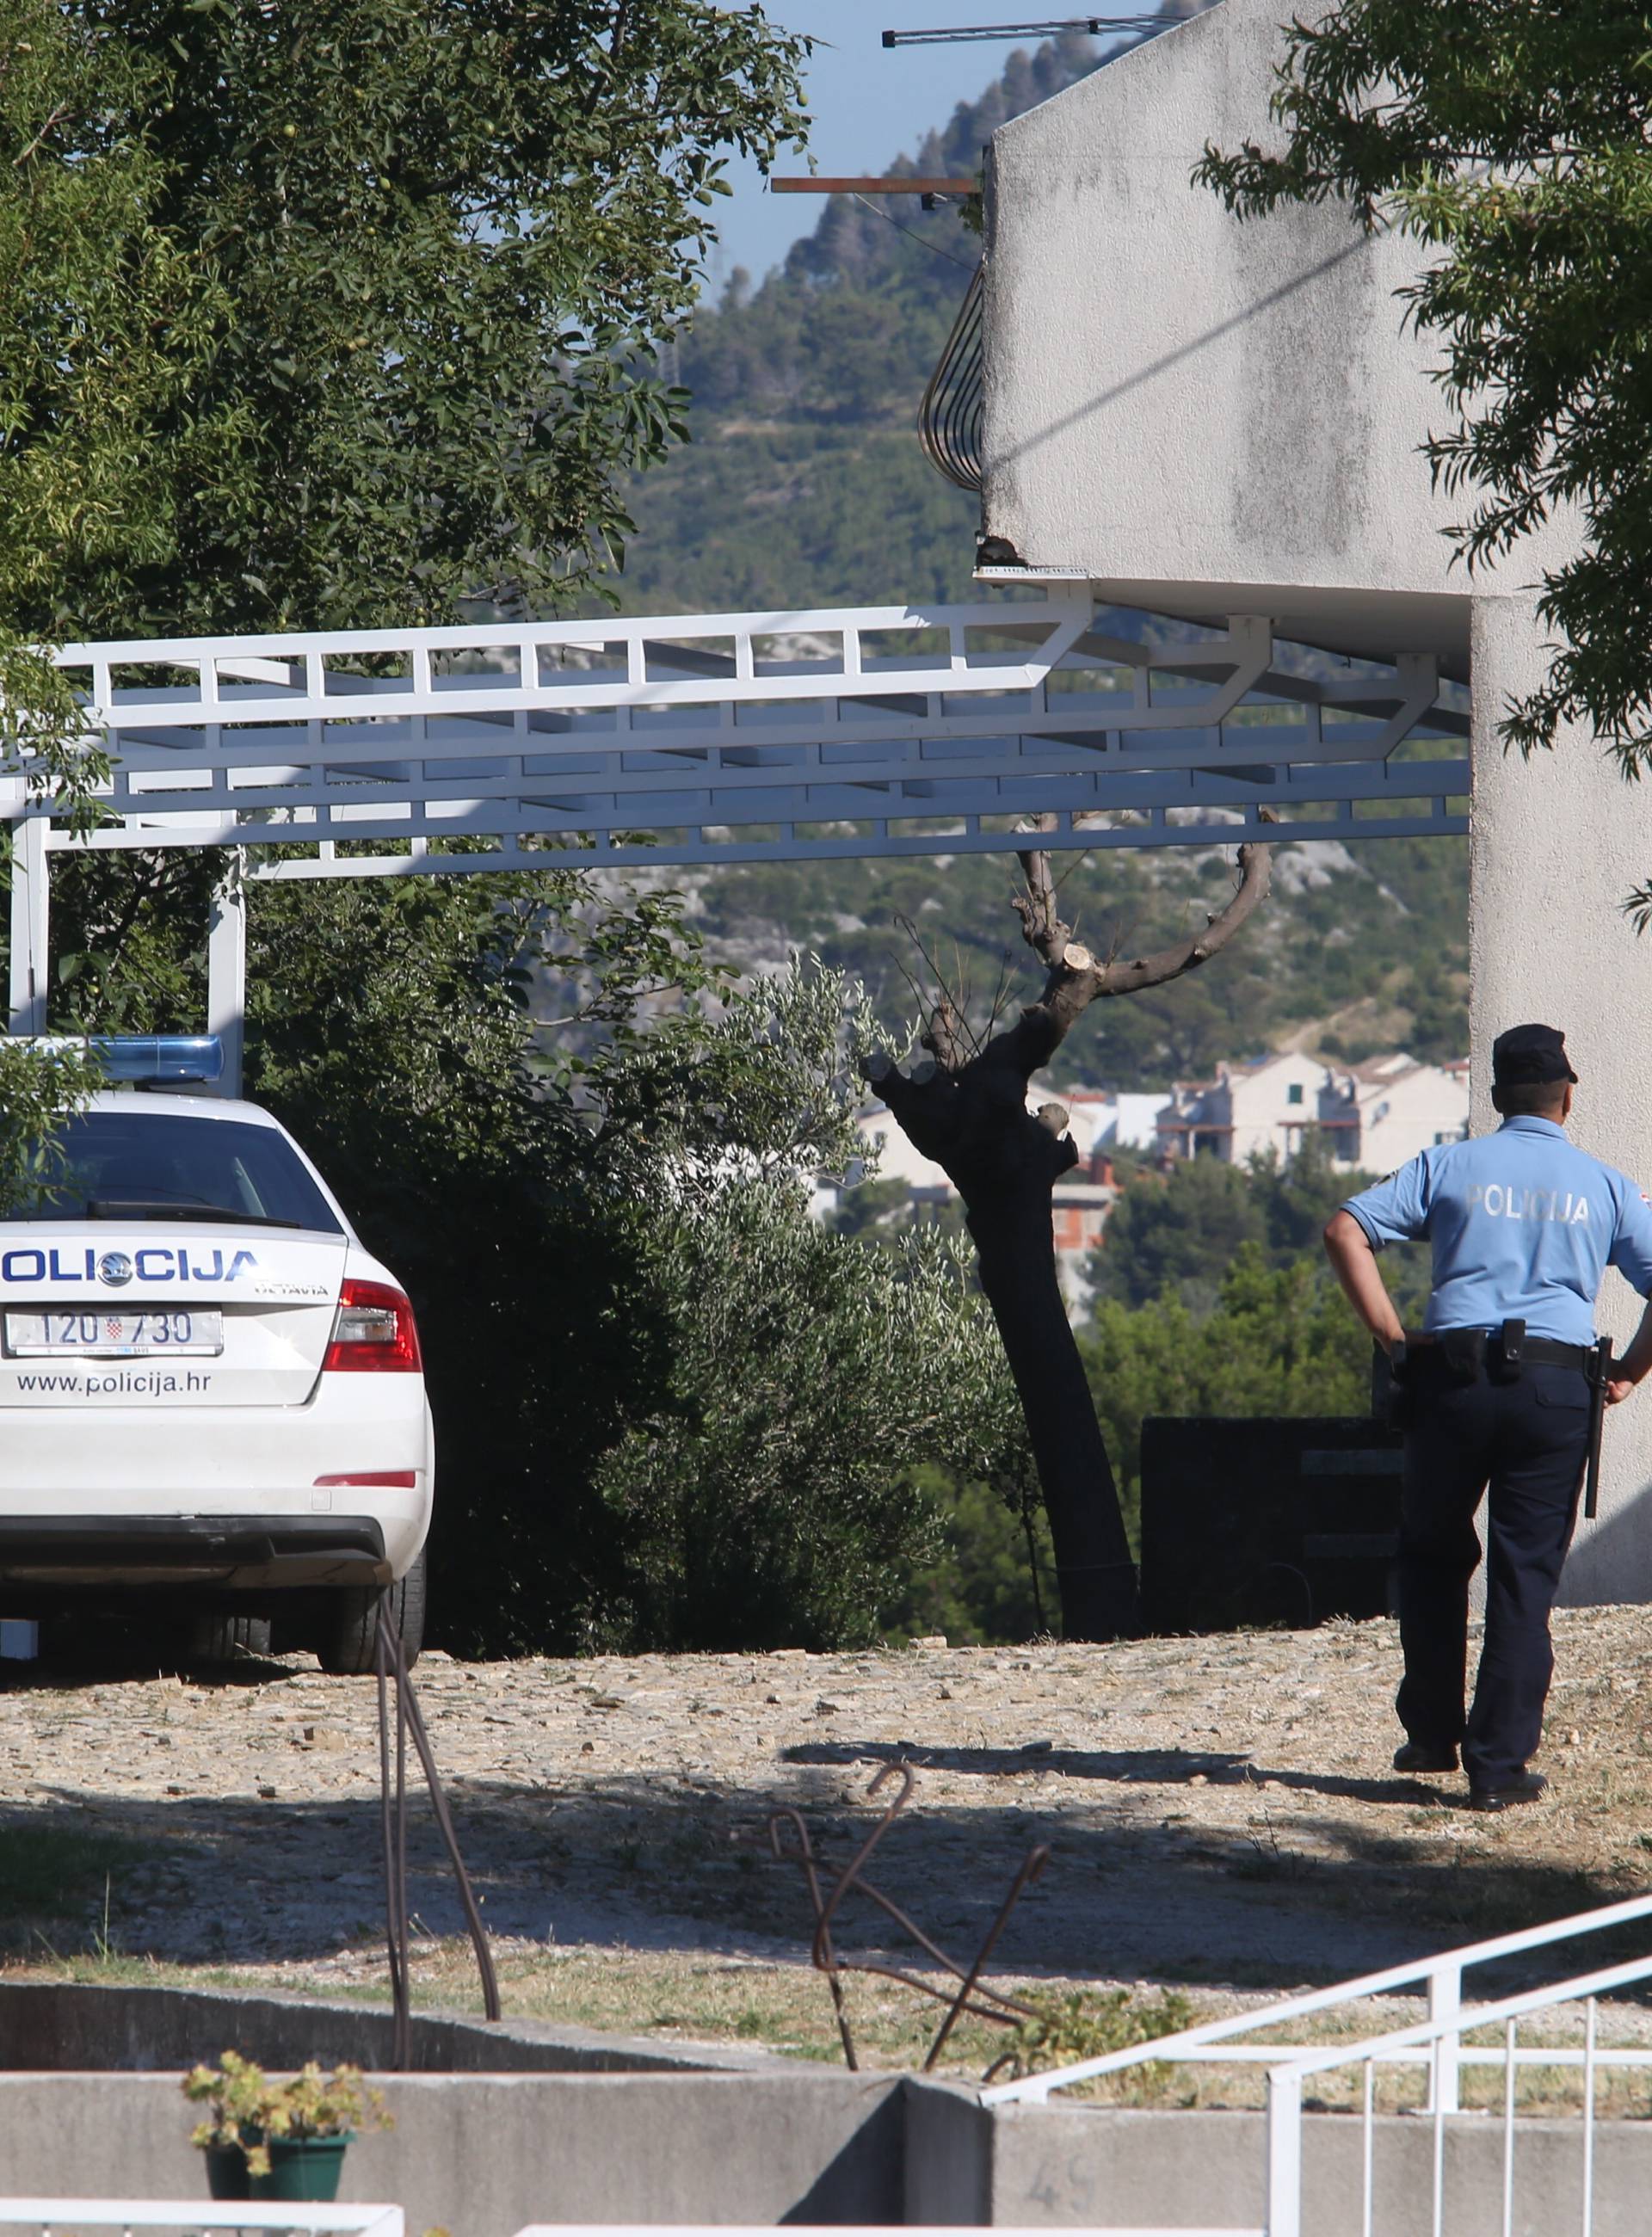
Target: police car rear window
pixel 142 1163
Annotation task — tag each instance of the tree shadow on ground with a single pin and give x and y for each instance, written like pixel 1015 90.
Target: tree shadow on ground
pixel 632 1863
pixel 1131 1766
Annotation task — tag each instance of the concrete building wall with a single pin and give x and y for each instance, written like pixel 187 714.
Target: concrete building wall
pixel 1193 408
pixel 1556 843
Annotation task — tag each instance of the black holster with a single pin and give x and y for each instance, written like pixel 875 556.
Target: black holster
pixel 1391 1396
pixel 1463 1351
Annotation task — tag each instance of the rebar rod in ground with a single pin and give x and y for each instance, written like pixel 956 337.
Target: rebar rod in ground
pixel 963 2001
pixel 393 1796
pixel 850 1878
pixel 407 1706
pixel 832 1965
pixel 1032 1864
pixel 806 1858
pixel 851 1870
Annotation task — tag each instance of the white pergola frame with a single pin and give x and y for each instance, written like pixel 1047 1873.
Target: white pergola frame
pixel 701 740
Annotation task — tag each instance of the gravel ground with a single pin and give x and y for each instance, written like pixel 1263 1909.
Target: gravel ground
pixel 1220 1810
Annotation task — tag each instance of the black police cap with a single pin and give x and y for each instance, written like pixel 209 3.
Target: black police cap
pixel 1529 1056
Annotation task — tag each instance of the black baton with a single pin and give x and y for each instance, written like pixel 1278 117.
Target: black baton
pixel 1600 1373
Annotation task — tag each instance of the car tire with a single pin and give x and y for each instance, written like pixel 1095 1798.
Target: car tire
pixel 348 1637
pixel 225 1639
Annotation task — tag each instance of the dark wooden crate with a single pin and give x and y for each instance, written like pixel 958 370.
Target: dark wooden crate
pixel 1266 1520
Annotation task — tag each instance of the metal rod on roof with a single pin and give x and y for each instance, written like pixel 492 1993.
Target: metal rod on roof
pixel 1097 26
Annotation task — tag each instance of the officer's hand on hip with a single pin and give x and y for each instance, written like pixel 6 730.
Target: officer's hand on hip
pixel 1617 1392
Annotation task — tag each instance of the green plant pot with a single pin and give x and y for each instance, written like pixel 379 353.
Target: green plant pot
pixel 227 2175
pixel 302 2167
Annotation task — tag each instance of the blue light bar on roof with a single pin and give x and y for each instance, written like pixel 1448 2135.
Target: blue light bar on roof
pixel 132 1059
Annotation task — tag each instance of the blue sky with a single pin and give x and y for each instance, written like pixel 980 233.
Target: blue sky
pixel 869 104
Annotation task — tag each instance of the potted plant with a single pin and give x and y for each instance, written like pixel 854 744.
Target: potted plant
pixel 274 2139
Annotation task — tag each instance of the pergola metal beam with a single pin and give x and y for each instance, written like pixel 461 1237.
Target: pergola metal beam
pixel 701 740
pixel 734 736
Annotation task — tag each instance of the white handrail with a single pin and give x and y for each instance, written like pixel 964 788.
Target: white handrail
pixel 1191 2041
pixel 863 2229
pixel 1310 2060
pixel 190 2213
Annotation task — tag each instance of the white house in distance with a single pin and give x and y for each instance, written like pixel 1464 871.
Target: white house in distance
pixel 1380 1113
pixel 1377 1114
pixel 1247 1110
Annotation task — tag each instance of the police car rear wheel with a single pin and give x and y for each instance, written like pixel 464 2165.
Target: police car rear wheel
pixel 347 1644
pixel 218 1639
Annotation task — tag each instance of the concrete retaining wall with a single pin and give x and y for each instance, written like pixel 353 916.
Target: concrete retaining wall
pixel 483 2155
pixel 558 2132
pixel 53 2027
pixel 1068 2166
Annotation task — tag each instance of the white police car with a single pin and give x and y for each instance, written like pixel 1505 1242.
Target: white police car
pixel 211 1396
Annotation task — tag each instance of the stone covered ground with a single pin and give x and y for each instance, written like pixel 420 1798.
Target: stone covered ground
pixel 1221 1812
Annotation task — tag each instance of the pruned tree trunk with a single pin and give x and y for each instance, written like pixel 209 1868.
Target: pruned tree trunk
pixel 969 1114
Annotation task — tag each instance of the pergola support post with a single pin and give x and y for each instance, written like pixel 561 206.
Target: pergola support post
pixel 30 927
pixel 226 971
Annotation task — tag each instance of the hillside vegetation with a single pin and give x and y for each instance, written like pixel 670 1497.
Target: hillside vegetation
pixel 805 486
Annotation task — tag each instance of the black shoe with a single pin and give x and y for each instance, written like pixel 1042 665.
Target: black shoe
pixel 1524 1786
pixel 1417 1755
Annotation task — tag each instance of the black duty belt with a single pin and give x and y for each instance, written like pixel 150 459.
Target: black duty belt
pixel 1541 1350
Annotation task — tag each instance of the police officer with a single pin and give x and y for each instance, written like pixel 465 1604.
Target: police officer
pixel 1522 1226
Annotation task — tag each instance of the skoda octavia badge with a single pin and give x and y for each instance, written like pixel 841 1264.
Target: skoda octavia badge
pixel 115 1268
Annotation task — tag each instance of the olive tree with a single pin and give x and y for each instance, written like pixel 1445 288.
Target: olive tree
pixel 965 1106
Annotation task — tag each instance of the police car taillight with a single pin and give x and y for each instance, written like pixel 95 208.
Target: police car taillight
pixel 372 1332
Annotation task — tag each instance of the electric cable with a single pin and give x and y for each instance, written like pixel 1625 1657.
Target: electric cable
pixel 911 233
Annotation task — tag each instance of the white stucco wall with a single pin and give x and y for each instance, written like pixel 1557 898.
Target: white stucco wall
pixel 1187 406
pixel 1556 843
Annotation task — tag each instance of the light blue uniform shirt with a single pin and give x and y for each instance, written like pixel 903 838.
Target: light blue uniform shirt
pixel 1523 1226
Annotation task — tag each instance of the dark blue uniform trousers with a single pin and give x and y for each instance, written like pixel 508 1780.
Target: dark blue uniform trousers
pixel 1528 1439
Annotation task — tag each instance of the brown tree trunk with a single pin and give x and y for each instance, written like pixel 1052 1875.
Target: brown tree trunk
pixel 1096 1577
pixel 969 1116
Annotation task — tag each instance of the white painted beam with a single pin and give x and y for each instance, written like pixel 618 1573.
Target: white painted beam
pixel 30 927
pixel 226 971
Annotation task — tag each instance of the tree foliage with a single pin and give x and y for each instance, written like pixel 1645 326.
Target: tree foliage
pixel 326 316
pixel 107 326
pixel 774 1494
pixel 1280 1340
pixel 1179 1233
pixel 1511 139
pixel 438 244
pixel 36 1093
pixel 670 1409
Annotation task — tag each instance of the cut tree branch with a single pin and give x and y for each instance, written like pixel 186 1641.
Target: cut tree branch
pixel 1076 978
